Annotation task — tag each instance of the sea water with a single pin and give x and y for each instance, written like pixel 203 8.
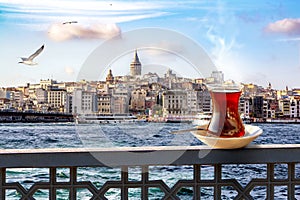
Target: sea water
pixel 68 135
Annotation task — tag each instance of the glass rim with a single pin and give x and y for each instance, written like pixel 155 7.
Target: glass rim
pixel 224 87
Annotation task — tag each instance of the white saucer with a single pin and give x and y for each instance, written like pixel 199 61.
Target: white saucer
pixel 251 133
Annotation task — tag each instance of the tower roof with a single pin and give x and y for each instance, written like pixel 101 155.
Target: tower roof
pixel 136 58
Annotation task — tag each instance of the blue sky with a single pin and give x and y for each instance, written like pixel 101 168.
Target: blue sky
pixel 250 41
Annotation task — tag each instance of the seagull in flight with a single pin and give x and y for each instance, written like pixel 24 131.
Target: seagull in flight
pixel 70 22
pixel 29 60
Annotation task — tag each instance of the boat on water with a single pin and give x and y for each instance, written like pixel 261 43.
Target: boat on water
pixel 13 116
pixel 178 119
pixel 282 121
pixel 98 118
pixel 204 118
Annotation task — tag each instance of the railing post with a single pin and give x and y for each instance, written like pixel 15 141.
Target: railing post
pixel 291 177
pixel 145 179
pixel 197 174
pixel 73 180
pixel 2 180
pixel 270 178
pixel 218 179
pixel 124 180
pixel 52 192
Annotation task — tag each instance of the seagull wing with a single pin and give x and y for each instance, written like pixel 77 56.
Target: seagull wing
pixel 70 22
pixel 35 54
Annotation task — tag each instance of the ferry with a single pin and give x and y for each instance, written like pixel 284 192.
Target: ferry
pixel 178 119
pixel 283 121
pixel 204 118
pixel 30 116
pixel 94 118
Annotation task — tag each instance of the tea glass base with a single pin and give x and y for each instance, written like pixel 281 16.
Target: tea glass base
pixel 251 133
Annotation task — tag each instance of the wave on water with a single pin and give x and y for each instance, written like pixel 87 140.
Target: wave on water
pixel 61 135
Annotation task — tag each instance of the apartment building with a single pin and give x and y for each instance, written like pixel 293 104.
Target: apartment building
pixel 138 100
pixel 56 99
pixel 104 103
pixel 174 103
pixel 83 101
pixel 121 99
pixel 244 106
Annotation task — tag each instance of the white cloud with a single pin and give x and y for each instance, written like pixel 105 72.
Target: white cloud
pixel 62 32
pixel 91 11
pixel 288 26
pixel 83 5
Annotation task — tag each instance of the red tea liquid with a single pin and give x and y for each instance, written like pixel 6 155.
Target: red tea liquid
pixel 226 121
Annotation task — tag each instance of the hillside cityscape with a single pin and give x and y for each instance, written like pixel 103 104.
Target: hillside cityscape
pixel 146 95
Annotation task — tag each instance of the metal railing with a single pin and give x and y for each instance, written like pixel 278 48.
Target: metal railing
pixel 196 157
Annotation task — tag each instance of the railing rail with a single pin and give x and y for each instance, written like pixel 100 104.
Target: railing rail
pixel 145 157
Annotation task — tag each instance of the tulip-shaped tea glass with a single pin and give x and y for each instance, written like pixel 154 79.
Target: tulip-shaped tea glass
pixel 225 121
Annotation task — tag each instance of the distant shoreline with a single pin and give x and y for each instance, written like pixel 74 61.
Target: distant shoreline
pixel 34 117
pixel 56 117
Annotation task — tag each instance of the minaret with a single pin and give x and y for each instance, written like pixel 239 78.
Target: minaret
pixel 135 66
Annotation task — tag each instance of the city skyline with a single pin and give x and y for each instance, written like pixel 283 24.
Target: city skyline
pixel 250 42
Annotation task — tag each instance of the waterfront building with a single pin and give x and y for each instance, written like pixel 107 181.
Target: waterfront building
pixel 32 93
pixel 174 103
pixel 4 93
pixel 29 105
pixel 120 100
pixel 82 102
pixel 16 98
pixel 244 106
pixel 69 103
pixel 104 103
pixel 138 100
pixel 135 66
pixel 284 107
pixel 4 103
pixel 56 99
pixel 192 96
pixel 204 103
pixel 257 103
pixel 120 104
pixel 150 102
pixel 23 89
pixel 269 107
pixel 295 106
pixel 41 95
